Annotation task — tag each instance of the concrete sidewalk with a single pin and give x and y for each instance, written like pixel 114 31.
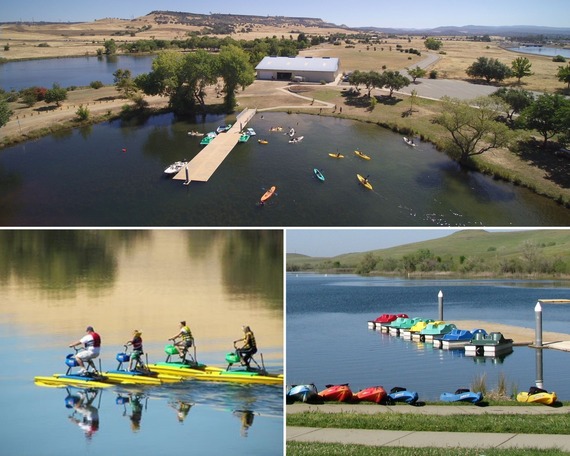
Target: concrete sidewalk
pixel 419 439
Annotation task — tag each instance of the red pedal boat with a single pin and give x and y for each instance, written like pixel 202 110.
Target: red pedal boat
pixel 375 394
pixel 339 393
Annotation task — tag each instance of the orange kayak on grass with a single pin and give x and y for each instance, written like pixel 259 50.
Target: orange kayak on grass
pixel 339 393
pixel 375 394
pixel 268 194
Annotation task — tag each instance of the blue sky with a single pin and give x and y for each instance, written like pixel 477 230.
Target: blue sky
pixel 380 13
pixel 332 242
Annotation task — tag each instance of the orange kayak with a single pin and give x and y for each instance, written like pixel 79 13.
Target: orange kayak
pixel 268 194
pixel 375 394
pixel 340 393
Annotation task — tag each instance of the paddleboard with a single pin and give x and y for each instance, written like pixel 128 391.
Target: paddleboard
pixel 268 194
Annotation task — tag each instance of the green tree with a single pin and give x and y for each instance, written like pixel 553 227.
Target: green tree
pixel 516 99
pixel 110 47
pixel 548 115
pixel 199 70
pixel 416 72
pixel 367 264
pixel 563 74
pixel 124 83
pixel 56 95
pixel 5 112
pixel 393 80
pixel 520 67
pixel 236 71
pixel 82 112
pixel 472 126
pixel 433 44
pixel 488 69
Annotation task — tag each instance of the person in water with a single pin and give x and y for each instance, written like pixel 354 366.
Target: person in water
pixel 186 340
pixel 249 347
pixel 92 343
pixel 137 344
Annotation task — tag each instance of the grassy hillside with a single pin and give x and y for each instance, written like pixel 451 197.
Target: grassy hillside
pixel 476 251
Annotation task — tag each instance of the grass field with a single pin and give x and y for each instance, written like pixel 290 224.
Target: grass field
pixel 469 243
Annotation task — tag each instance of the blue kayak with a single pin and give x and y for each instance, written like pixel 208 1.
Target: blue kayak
pixel 462 395
pixel 304 393
pixel 319 174
pixel 398 394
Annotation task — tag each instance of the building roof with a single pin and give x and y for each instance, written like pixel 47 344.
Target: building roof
pixel 298 64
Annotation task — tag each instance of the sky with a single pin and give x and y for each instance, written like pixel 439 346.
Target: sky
pixel 336 241
pixel 378 13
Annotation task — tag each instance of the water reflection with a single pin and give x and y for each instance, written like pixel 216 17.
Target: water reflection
pixel 246 418
pixel 134 401
pixel 85 413
pixel 182 409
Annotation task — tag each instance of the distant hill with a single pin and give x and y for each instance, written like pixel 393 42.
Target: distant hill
pixel 476 30
pixel 476 250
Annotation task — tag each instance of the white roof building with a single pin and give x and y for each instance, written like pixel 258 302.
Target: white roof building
pixel 310 69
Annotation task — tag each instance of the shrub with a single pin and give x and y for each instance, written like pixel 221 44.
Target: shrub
pixel 96 84
pixel 433 74
pixel 43 45
pixel 82 112
pixel 559 58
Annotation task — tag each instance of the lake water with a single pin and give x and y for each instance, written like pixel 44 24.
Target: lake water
pixel 328 341
pixel 546 51
pixel 69 71
pixel 112 175
pixel 55 283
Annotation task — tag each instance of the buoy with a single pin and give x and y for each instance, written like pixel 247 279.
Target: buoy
pixel 124 149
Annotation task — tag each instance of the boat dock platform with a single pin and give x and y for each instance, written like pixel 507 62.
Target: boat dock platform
pixel 203 165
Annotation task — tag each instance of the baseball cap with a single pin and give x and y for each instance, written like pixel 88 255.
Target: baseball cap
pixel 89 328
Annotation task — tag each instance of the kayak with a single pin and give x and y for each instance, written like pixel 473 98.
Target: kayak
pixel 62 380
pixel 263 141
pixel 339 393
pixel 375 394
pixel 268 194
pixel 364 182
pixel 319 174
pixel 537 395
pixel 409 142
pixel 399 394
pixel 462 395
pixel 304 393
pixel 336 155
pixel 361 155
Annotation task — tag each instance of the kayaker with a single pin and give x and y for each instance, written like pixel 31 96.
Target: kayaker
pixel 186 339
pixel 249 347
pixel 92 343
pixel 137 344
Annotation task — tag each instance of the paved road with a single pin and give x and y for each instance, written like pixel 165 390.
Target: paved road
pixel 419 439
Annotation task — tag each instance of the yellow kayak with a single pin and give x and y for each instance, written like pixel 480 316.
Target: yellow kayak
pixel 364 182
pixel 361 155
pixel 336 155
pixel 541 397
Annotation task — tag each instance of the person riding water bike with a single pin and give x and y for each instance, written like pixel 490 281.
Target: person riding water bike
pixel 92 343
pixel 137 344
pixel 249 347
pixel 186 339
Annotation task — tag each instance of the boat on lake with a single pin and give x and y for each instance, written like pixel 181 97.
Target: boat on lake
pixel 435 330
pixel 175 167
pixel 488 344
pixel 414 332
pixel 399 325
pixel 384 320
pixel 208 138
pixel 250 131
pixel 457 338
pixel 243 138
pixel 409 142
pixel 223 128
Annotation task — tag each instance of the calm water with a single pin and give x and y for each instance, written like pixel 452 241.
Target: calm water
pixel 546 51
pixel 76 71
pixel 328 340
pixel 112 175
pixel 54 283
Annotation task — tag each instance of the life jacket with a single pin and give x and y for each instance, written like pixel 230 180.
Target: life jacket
pixel 186 333
pixel 250 340
pixel 137 343
pixel 95 341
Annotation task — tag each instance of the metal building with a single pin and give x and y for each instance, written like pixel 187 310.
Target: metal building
pixel 299 69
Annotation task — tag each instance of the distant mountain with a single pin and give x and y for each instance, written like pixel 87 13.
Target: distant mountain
pixel 470 30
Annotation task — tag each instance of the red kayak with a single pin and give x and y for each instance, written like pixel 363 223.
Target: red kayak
pixel 372 394
pixel 339 393
pixel 388 318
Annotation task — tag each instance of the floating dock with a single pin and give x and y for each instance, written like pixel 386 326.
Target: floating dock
pixel 203 165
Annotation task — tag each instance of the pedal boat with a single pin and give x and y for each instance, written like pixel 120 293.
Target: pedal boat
pixel 436 330
pixel 384 320
pixel 490 344
pixel 457 338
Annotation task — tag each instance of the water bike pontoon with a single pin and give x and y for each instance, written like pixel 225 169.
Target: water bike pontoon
pixel 140 374
pixel 188 367
pixel 92 378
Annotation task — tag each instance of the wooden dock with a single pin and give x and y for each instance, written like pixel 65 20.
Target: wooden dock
pixel 203 165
